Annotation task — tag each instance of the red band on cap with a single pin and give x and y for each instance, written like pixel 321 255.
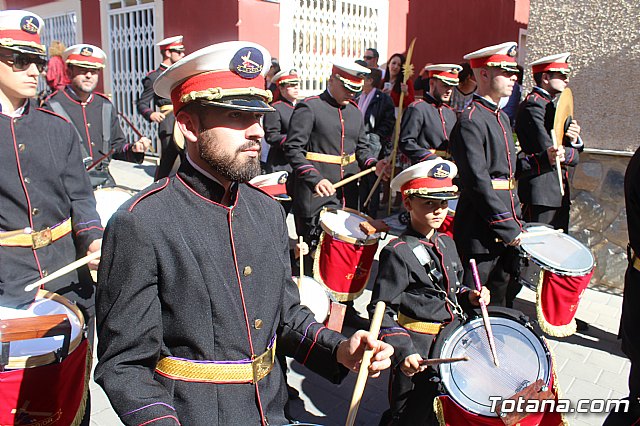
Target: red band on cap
pixel 482 62
pixel 19 35
pixel 547 67
pixel 427 182
pixel 350 77
pixel 443 74
pixel 174 45
pixel 82 58
pixel 209 80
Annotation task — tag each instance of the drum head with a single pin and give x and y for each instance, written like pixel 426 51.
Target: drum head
pixel 314 297
pixel 523 359
pixel 559 253
pixel 45 345
pixel 108 200
pixel 345 225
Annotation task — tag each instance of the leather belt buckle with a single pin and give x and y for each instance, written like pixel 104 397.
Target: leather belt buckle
pixel 261 365
pixel 41 238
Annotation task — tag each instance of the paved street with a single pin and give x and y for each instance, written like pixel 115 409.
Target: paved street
pixel 589 365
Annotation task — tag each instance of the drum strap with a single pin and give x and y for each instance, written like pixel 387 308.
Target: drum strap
pixel 426 260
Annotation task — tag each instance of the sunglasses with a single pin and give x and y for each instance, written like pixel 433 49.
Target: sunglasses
pixel 368 58
pixel 22 61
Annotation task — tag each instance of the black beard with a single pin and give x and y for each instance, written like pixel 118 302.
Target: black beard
pixel 226 165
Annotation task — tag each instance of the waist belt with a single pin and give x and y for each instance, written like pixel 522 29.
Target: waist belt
pixel 441 154
pixel 343 160
pixel 37 239
pixel 246 371
pixel 503 184
pixel 419 326
pixel 166 109
pixel 634 260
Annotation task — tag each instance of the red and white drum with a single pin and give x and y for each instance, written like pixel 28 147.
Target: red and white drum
pixel 37 386
pixel 343 260
pixel 559 269
pixel 471 386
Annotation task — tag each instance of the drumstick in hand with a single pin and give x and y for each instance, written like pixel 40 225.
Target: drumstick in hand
pixel 301 260
pixel 350 179
pixel 64 270
pixel 558 168
pixel 361 381
pixel 485 314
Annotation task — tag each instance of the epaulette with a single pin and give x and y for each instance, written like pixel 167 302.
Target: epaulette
pixel 53 113
pixel 150 190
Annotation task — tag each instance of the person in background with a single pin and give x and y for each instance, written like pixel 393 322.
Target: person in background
pixel 511 107
pixel 463 93
pixel 393 81
pixel 93 116
pixel 57 78
pixel 155 109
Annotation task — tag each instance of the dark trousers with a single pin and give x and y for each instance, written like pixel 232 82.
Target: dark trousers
pixel 168 157
pixel 411 400
pixel 632 417
pixel 499 273
pixel 558 217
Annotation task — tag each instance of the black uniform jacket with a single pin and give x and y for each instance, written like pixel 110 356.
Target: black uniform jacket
pixel 406 286
pixel 483 148
pixel 534 124
pixel 276 126
pixel 380 118
pixel 87 117
pixel 42 183
pixel 184 276
pixel 630 312
pixel 149 100
pixel 320 125
pixel 426 124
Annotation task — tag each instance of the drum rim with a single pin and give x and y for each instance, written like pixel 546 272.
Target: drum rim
pixel 500 316
pixel 29 361
pixel 555 270
pixel 351 240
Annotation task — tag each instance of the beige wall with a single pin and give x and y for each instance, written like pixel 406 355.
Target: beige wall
pixel 604 39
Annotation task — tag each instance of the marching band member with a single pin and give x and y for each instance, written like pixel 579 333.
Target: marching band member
pixel 44 188
pixel 148 104
pixel 629 321
pixel 92 114
pixel 187 327
pixel 418 275
pixel 540 194
pixel 487 224
pixel 276 125
pixel 326 143
pixel 427 123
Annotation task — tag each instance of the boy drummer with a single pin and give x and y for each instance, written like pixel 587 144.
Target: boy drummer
pixel 419 279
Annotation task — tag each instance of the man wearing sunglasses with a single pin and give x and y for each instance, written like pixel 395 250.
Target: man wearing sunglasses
pixel 156 109
pixel 93 115
pixel 326 143
pixel 44 189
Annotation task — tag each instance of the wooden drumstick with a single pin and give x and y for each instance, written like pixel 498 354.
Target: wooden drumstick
pixel 300 241
pixel 438 361
pixel 373 189
pixel 361 381
pixel 350 179
pixel 64 270
pixel 485 314
pixel 558 167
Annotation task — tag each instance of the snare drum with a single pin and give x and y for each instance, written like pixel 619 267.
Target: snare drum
pixel 524 358
pixel 37 386
pixel 108 200
pixel 342 262
pixel 565 269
